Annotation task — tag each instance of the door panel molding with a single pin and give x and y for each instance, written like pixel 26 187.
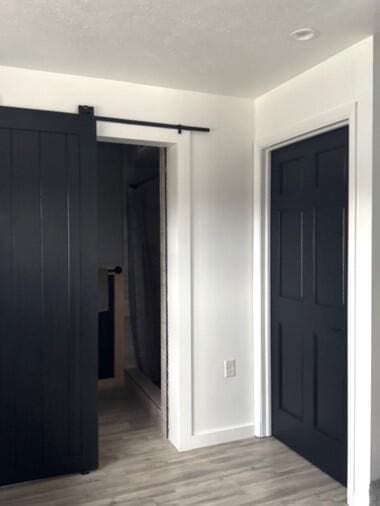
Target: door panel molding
pixel 344 115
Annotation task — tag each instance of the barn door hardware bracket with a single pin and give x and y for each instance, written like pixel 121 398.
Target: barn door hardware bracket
pixel 86 109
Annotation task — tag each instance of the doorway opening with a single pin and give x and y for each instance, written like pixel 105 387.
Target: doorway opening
pixel 308 303
pixel 132 329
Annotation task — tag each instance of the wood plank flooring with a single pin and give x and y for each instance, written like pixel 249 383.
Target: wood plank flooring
pixel 139 468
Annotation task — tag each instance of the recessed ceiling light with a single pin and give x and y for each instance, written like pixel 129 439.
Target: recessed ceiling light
pixel 304 34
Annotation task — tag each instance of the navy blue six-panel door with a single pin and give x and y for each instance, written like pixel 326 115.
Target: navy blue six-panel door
pixel 309 199
pixel 48 326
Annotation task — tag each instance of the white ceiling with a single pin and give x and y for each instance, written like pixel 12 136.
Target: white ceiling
pixel 232 47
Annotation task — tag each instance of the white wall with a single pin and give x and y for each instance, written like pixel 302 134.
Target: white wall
pixel 221 222
pixel 346 78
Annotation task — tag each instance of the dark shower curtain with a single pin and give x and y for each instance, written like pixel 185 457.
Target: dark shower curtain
pixel 143 229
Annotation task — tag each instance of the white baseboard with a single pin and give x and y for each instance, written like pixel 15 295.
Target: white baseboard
pixel 360 500
pixel 219 436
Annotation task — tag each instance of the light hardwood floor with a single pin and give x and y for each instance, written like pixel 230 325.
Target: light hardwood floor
pixel 138 467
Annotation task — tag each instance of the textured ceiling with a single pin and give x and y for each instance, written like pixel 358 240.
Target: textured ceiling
pixel 232 47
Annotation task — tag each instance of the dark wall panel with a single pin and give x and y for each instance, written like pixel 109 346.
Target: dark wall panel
pixel 110 204
pixel 291 177
pixel 60 335
pixel 330 356
pixel 290 365
pixel 329 173
pixel 290 254
pixel 28 349
pixel 74 300
pixel 329 256
pixel 6 302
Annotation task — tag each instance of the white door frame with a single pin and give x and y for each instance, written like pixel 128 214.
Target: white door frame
pixel 179 265
pixel 345 115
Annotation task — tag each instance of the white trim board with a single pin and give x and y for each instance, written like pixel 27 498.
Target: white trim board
pixel 344 115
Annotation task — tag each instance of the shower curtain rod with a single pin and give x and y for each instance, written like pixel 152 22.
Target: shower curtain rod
pixel 90 110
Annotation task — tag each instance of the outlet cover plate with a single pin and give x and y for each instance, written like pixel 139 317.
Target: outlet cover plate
pixel 229 368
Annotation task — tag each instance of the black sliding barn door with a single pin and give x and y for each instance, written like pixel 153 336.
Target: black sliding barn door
pixel 308 299
pixel 48 325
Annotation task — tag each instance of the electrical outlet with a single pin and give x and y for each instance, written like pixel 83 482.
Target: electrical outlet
pixel 229 368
